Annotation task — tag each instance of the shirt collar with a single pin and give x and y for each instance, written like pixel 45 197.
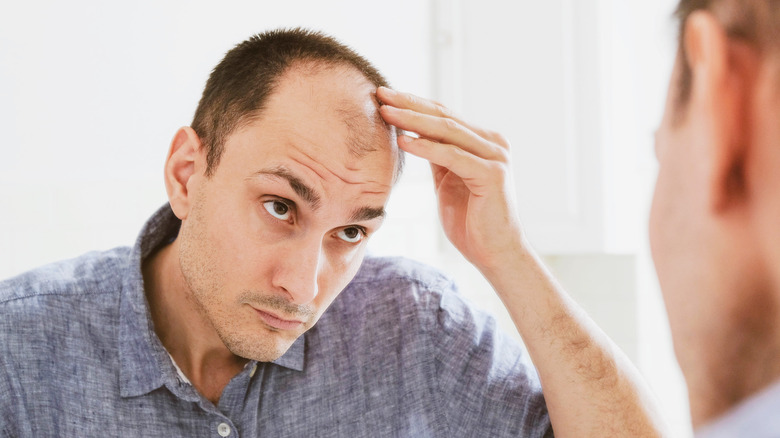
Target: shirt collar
pixel 293 358
pixel 144 363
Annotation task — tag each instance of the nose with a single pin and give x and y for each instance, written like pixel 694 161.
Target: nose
pixel 298 269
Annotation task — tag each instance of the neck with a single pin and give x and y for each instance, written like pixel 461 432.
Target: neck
pixel 185 332
pixel 741 360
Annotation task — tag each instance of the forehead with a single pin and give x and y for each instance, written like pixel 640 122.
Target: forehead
pixel 317 94
pixel 324 120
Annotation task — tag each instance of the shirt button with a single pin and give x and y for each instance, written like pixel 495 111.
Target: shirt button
pixel 223 429
pixel 254 370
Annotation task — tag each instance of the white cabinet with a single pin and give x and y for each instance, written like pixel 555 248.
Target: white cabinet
pixel 539 72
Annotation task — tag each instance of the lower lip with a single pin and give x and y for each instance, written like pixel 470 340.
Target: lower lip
pixel 279 324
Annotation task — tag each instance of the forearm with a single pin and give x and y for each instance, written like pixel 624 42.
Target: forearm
pixel 590 386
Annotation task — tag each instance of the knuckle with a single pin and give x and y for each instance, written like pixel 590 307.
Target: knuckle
pixel 444 111
pixel 451 125
pixel 503 155
pixel 448 160
pixel 498 138
pixel 458 155
pixel 499 172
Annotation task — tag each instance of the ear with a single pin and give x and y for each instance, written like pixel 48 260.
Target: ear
pixel 180 170
pixel 721 83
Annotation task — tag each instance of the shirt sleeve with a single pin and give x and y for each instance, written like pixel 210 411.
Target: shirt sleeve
pixel 11 395
pixel 486 382
pixel 6 419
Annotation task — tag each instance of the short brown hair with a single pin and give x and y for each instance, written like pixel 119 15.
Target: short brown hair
pixel 756 22
pixel 239 86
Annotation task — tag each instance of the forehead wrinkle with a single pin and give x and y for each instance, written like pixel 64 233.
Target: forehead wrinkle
pixel 315 160
pixel 300 188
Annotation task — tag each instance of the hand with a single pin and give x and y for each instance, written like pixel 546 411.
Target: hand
pixel 581 370
pixel 471 173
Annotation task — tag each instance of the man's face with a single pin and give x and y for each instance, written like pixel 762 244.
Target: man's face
pixel 280 228
pixel 677 227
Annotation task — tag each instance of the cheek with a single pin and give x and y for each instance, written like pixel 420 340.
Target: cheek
pixel 340 270
pixel 244 240
pixel 667 210
pixel 656 220
pixel 661 247
pixel 665 230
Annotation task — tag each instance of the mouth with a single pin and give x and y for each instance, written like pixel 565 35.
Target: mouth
pixel 275 322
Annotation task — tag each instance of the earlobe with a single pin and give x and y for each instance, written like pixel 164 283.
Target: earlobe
pixel 180 170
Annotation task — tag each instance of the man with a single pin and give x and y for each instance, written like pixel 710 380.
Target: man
pixel 207 326
pixel 714 222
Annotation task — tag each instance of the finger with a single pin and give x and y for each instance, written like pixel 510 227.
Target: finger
pixel 425 106
pixel 477 173
pixel 442 130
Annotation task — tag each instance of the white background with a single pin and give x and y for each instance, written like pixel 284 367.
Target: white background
pixel 91 93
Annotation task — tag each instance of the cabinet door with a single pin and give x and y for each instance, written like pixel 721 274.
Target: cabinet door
pixel 533 71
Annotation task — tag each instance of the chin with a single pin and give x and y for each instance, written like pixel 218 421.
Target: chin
pixel 267 348
pixel 265 356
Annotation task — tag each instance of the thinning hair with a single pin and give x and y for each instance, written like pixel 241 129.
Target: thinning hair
pixel 239 86
pixel 756 22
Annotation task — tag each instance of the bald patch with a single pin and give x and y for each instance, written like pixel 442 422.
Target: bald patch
pixel 366 133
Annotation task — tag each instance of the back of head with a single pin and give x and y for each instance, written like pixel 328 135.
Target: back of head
pixel 716 244
pixel 240 84
pixel 756 22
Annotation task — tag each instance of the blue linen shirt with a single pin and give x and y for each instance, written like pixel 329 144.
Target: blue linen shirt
pixel 397 354
pixel 756 417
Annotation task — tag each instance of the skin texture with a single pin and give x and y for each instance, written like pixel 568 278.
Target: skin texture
pixel 713 225
pixel 276 230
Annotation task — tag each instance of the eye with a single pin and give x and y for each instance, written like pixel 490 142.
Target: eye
pixel 278 209
pixel 352 234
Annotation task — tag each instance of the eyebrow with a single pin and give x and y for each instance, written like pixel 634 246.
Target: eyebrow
pixel 305 192
pixel 311 197
pixel 367 214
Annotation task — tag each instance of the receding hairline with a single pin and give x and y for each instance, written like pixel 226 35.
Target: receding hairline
pixel 360 142
pixel 308 67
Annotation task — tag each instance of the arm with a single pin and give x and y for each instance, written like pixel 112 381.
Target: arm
pixel 590 387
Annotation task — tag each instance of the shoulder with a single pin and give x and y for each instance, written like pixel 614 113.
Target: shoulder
pixel 59 330
pixel 84 275
pixel 68 295
pixel 390 288
pixel 62 309
pixel 754 417
pixel 391 271
pixel 399 285
pixel 399 279
pixel 386 290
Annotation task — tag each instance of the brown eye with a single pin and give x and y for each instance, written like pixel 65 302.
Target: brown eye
pixel 280 208
pixel 277 209
pixel 351 234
